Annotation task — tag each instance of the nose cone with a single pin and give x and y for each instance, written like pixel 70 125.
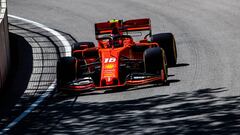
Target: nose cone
pixel 109 67
pixel 109 81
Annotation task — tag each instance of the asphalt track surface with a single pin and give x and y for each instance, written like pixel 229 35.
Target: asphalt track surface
pixel 204 92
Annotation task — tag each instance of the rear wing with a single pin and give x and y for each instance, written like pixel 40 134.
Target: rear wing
pixel 137 25
pixel 106 28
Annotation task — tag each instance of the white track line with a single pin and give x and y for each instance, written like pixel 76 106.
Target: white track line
pixel 64 41
pixel 67 47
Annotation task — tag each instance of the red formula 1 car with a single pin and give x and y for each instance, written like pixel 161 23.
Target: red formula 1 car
pixel 127 55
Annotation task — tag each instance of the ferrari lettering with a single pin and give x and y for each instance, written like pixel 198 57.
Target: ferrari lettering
pixel 109 60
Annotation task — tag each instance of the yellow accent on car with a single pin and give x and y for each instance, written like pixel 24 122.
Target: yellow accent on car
pixel 109 66
pixel 113 21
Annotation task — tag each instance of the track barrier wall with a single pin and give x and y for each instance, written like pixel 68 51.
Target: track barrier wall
pixel 4 43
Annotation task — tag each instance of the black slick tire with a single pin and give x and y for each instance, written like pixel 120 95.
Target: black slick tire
pixel 78 45
pixel 167 42
pixel 155 62
pixel 66 70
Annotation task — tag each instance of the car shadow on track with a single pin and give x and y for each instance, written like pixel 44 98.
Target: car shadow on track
pixel 196 112
pixel 180 65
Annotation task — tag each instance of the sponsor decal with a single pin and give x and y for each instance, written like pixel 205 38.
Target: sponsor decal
pixel 109 66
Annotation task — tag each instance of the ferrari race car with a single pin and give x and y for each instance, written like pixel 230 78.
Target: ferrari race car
pixel 127 55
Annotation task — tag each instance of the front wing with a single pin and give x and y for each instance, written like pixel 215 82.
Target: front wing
pixel 131 81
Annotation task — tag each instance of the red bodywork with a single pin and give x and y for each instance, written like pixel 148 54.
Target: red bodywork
pixel 116 48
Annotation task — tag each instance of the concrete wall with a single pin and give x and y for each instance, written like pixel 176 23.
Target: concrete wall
pixel 4 43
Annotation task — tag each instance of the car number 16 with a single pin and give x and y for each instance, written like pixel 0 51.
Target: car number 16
pixel 109 60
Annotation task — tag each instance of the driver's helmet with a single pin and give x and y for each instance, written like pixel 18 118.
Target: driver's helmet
pixel 115 24
pixel 115 32
pixel 116 36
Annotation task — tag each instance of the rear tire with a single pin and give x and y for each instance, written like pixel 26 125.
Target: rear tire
pixel 167 42
pixel 79 45
pixel 66 70
pixel 155 62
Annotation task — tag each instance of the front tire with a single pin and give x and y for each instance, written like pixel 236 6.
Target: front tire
pixel 66 70
pixel 155 62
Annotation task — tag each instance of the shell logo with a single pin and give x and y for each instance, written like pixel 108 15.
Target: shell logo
pixel 109 66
